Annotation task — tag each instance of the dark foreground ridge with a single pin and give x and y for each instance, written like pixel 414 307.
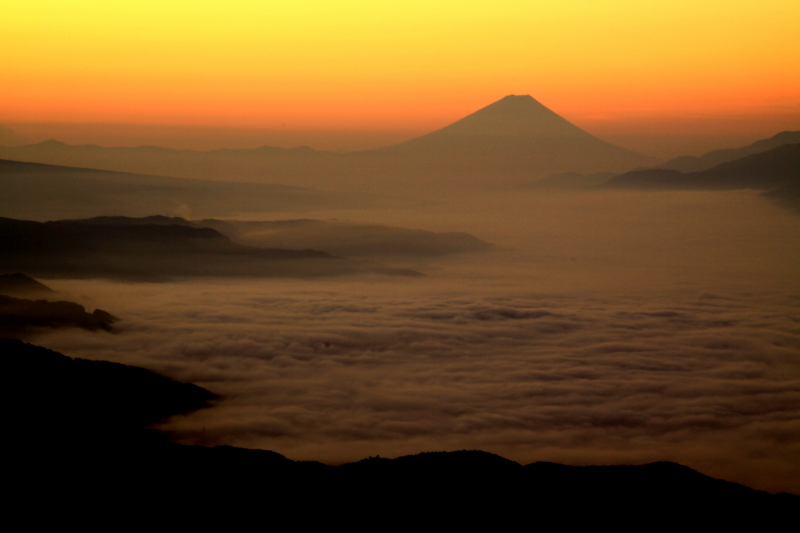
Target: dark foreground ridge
pixel 78 445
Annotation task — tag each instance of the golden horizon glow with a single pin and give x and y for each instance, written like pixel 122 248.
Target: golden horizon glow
pixel 358 64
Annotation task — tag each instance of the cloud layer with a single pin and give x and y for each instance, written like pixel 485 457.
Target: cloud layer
pixel 335 374
pixel 607 329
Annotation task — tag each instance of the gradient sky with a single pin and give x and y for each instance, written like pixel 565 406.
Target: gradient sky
pixel 407 65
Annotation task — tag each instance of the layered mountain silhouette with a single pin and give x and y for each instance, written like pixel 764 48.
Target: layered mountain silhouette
pixel 91 249
pixel 772 169
pixel 688 163
pixel 20 314
pixel 76 431
pixel 514 138
pixel 50 192
pixel 338 237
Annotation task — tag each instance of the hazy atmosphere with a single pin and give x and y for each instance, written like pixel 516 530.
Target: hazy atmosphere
pixel 606 327
pixel 388 230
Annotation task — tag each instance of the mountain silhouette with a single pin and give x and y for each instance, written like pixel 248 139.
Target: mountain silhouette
pixel 768 170
pixel 18 316
pixel 94 249
pixel 76 400
pixel 79 431
pixel 511 116
pixel 513 139
pixel 688 163
pixel 338 237
pixel 49 192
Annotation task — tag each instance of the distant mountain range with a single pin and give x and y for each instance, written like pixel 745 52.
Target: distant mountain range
pixel 512 139
pixel 338 237
pixel 49 192
pixel 772 169
pixel 688 163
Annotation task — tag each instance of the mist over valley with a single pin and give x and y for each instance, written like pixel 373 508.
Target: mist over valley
pixel 430 296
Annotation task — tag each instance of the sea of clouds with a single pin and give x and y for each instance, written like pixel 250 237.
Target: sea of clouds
pixel 683 347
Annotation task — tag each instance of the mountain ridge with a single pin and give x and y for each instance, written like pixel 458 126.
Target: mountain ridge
pixel 158 252
pixel 688 163
pixel 508 140
pixel 772 169
pixel 80 430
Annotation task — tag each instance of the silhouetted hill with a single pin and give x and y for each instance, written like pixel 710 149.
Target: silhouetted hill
pixel 512 139
pixel 65 401
pixel 23 286
pixel 711 159
pixel 36 191
pixel 19 316
pixel 77 432
pixel 155 251
pixel 772 169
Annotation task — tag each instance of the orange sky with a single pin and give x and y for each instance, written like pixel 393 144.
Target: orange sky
pixel 404 66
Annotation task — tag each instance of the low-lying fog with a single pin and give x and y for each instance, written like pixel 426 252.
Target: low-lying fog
pixel 606 328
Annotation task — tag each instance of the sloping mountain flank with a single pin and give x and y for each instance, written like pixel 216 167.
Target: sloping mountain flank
pixel 20 285
pixel 688 163
pixel 779 167
pixel 513 138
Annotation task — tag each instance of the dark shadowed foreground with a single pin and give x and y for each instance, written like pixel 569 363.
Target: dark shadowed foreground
pixel 77 433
